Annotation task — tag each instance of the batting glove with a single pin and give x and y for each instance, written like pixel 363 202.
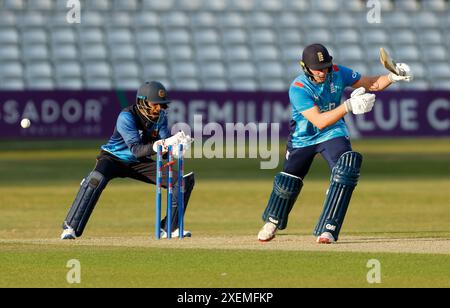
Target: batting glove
pixel 405 73
pixel 360 102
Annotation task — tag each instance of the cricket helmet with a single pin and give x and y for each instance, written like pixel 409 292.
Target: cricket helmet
pixel 316 57
pixel 149 94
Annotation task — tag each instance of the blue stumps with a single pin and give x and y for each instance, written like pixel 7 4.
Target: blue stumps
pixel 180 192
pixel 159 170
pixel 169 193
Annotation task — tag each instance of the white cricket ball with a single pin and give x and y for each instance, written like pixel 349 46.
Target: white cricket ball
pixel 25 123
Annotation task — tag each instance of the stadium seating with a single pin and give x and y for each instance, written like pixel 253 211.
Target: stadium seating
pixel 213 44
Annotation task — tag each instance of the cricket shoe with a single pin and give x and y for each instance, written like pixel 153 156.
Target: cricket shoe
pixel 326 238
pixel 68 234
pixel 267 232
pixel 176 233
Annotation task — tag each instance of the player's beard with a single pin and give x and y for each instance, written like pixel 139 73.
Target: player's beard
pixel 154 115
pixel 150 113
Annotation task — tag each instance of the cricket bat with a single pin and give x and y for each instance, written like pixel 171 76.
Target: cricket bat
pixel 388 63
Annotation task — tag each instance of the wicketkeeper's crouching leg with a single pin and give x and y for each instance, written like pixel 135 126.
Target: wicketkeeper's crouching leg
pixel 189 182
pixel 85 201
pixel 344 179
pixel 286 189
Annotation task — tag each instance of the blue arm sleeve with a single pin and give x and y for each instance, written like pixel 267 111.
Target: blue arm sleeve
pixel 126 126
pixel 349 77
pixel 300 99
pixel 164 131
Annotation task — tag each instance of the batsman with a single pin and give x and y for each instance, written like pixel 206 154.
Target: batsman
pixel 318 126
pixel 139 129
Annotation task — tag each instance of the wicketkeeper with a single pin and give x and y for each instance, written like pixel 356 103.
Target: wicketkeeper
pixel 318 127
pixel 139 129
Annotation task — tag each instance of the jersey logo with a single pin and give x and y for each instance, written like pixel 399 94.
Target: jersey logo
pixel 327 107
pixel 299 84
pixel 332 88
pixel 335 68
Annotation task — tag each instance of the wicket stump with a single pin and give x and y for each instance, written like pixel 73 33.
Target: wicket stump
pixel 159 178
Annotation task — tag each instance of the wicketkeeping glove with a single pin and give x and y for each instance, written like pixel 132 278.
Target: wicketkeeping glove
pixel 174 141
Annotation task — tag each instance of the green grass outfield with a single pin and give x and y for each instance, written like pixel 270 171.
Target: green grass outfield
pixel 400 215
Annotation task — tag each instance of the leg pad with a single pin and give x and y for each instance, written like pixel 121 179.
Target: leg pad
pixel 344 178
pixel 286 189
pixel 85 201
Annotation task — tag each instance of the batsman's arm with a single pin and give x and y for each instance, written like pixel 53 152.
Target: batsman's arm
pixel 358 103
pixel 373 84
pixel 322 120
pixel 303 102
pixel 398 72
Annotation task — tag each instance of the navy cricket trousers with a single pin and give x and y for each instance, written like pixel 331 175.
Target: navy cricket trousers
pixel 298 161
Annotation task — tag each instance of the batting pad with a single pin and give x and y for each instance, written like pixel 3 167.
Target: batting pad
pixel 85 201
pixel 286 189
pixel 344 178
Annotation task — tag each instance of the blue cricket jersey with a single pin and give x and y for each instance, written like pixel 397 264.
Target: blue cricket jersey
pixel 133 138
pixel 304 94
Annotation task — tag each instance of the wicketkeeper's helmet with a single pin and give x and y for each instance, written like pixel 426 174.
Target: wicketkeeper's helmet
pixel 152 92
